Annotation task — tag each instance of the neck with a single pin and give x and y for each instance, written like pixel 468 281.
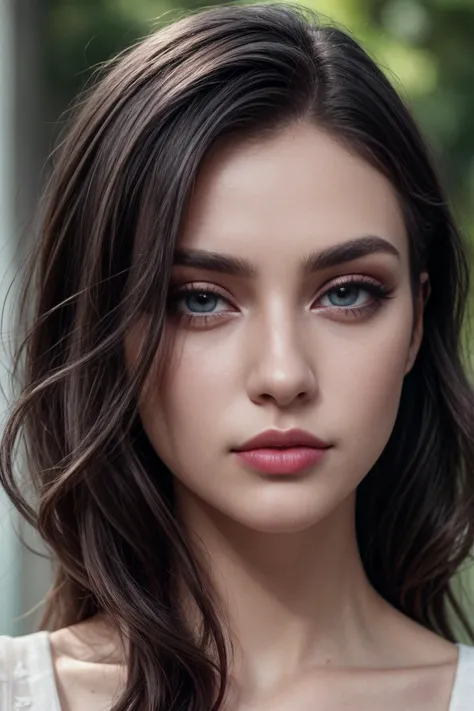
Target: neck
pixel 291 600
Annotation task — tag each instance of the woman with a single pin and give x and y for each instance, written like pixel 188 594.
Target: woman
pixel 245 405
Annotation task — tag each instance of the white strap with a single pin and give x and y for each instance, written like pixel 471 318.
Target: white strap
pixel 462 698
pixel 27 680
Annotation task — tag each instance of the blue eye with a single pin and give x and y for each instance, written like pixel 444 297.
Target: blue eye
pixel 349 298
pixel 344 295
pixel 195 302
pixel 204 306
pixel 200 301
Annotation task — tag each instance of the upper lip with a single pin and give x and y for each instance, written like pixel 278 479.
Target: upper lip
pixel 283 438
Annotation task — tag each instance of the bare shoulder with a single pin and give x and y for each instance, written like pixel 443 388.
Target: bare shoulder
pixel 413 645
pixel 93 640
pixel 89 665
pixel 414 668
pixel 424 664
pixel 405 666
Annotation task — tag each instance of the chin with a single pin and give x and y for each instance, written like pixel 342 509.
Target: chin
pixel 283 518
pixel 280 527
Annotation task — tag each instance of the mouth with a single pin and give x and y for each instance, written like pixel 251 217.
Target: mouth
pixel 283 439
pixel 289 460
pixel 282 452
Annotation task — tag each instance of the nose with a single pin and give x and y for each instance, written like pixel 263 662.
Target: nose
pixel 281 365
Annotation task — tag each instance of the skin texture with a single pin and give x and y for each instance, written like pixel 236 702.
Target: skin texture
pixel 282 352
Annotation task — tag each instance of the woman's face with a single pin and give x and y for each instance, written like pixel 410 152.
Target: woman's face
pixel 281 339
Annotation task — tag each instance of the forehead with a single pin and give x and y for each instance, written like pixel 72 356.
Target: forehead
pixel 299 189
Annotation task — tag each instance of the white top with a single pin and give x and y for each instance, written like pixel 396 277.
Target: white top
pixel 27 676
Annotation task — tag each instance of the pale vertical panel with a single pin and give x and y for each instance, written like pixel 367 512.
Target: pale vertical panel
pixel 32 129
pixel 9 546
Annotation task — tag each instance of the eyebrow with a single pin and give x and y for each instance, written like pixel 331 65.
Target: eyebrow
pixel 331 256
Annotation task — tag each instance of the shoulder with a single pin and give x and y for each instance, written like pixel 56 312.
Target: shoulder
pixel 88 663
pixel 76 668
pixel 92 640
pixel 26 673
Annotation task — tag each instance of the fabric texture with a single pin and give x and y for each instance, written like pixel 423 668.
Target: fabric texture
pixel 27 676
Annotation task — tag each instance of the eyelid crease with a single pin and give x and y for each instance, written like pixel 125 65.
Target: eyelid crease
pixel 350 279
pixel 195 287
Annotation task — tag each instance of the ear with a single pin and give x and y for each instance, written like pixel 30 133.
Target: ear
pixel 424 291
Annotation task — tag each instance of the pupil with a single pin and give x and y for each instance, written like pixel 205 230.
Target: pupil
pixel 201 301
pixel 343 293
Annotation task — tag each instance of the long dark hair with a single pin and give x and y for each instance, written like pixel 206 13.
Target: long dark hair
pixel 111 216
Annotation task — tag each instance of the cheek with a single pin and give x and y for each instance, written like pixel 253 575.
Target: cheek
pixel 364 381
pixel 181 414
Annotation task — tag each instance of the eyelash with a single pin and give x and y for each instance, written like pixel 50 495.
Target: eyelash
pixel 379 293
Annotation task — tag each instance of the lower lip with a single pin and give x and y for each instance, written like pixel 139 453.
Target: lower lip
pixel 282 461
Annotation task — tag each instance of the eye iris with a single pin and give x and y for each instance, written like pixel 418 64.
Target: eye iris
pixel 343 293
pixel 201 301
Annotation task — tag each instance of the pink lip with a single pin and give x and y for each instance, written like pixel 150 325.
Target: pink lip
pixel 282 461
pixel 282 452
pixel 283 438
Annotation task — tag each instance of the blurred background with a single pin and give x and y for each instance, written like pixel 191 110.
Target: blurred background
pixel 48 49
